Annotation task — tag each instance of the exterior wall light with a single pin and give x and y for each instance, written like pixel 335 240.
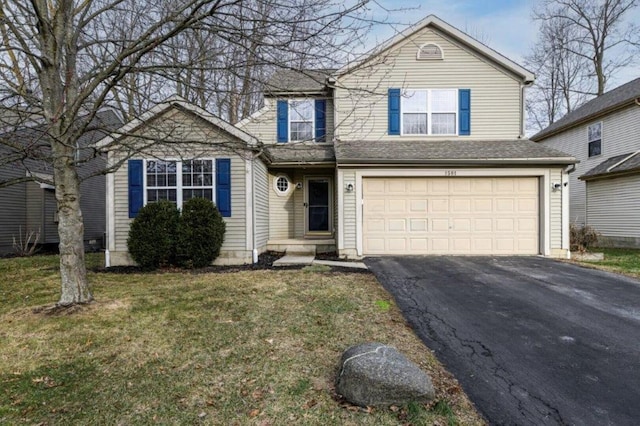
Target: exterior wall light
pixel 349 187
pixel 299 185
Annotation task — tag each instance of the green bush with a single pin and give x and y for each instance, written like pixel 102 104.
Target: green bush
pixel 151 239
pixel 581 238
pixel 200 233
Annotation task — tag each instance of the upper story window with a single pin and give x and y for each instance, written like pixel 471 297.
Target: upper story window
pixel 595 139
pixel 428 52
pixel 300 120
pixel 429 112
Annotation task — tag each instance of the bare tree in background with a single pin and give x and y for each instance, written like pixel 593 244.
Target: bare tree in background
pixel 581 45
pixel 64 60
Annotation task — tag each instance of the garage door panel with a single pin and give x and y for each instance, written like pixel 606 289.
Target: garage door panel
pixel 418 225
pixel 438 205
pixel 450 216
pixel 397 225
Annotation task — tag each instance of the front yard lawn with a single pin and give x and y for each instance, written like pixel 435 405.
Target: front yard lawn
pixel 246 348
pixel 620 260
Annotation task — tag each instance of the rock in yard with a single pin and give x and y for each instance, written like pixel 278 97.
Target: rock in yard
pixel 373 374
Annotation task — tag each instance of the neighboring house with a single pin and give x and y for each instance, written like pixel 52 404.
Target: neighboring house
pixel 604 135
pixel 416 148
pixel 30 205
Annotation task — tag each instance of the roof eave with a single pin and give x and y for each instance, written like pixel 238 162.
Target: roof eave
pixel 607 175
pixel 289 93
pixel 542 135
pixel 450 161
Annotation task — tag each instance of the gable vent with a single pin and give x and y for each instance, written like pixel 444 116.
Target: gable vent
pixel 429 52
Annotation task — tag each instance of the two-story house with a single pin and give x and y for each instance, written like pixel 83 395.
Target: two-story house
pixel 604 135
pixel 416 148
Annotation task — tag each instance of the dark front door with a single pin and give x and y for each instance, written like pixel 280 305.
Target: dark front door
pixel 318 205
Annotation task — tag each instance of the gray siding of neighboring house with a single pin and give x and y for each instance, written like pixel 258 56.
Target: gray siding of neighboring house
pixel 92 203
pixel 50 223
pixel 191 128
pixel 614 209
pixel 35 198
pixel 261 194
pixel 12 211
pixel 620 135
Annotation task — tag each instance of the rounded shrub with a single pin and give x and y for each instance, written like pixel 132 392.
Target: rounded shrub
pixel 200 233
pixel 152 234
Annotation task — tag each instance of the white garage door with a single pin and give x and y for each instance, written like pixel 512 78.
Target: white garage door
pixel 450 215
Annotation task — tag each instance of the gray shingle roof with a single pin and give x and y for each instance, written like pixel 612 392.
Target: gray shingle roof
pixel 617 97
pixel 306 81
pixel 300 153
pixel 451 151
pixel 627 163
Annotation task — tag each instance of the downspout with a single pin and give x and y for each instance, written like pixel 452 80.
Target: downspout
pixel 523 87
pixel 253 208
pixel 566 243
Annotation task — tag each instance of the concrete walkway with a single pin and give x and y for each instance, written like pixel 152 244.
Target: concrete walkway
pixel 305 260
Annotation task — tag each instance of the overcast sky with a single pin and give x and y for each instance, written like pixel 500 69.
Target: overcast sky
pixel 504 25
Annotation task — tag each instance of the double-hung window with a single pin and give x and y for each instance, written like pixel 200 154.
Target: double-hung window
pixel 179 180
pixel 429 112
pixel 595 139
pixel 301 120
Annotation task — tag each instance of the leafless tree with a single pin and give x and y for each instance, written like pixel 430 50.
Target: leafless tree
pixel 64 60
pixel 582 44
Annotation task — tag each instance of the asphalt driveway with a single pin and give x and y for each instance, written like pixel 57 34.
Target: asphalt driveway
pixel 531 340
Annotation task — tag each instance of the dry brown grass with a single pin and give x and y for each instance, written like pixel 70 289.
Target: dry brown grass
pixel 254 348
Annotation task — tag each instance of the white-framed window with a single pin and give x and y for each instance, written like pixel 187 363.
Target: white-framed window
pixel 282 185
pixel 594 138
pixel 429 112
pixel 301 120
pixel 179 180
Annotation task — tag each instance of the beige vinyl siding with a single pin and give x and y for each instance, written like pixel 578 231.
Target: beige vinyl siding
pixel 614 206
pixel 263 124
pixel 555 210
pixel 261 194
pixel 190 128
pixel 620 132
pixel 349 210
pixel 281 208
pixel 495 94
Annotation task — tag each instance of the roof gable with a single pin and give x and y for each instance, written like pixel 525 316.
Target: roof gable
pixel 434 22
pixel 164 107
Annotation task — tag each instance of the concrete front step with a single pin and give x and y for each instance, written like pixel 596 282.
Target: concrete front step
pixel 302 247
pixel 294 259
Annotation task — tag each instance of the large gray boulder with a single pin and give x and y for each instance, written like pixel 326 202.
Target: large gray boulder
pixel 373 374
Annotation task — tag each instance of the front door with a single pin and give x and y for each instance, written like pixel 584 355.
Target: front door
pixel 318 205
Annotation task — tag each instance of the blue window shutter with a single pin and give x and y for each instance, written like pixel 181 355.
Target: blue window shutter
pixel 223 186
pixel 136 190
pixel 394 111
pixel 321 120
pixel 464 112
pixel 283 121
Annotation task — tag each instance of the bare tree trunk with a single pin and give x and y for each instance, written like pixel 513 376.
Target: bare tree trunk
pixel 75 286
